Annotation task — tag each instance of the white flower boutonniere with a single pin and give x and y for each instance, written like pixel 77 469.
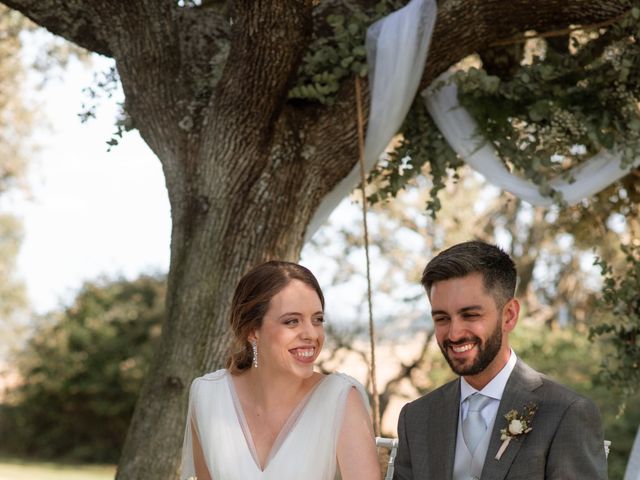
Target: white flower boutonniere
pixel 517 425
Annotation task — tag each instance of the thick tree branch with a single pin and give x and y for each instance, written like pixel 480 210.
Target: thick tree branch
pixel 78 21
pixel 268 39
pixel 464 27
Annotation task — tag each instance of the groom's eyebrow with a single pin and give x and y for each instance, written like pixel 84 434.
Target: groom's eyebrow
pixel 462 310
pixel 470 308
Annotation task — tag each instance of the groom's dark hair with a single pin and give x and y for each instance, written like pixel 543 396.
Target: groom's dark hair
pixel 496 267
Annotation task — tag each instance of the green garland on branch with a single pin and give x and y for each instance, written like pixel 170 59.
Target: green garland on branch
pixel 421 143
pixel 332 58
pixel 564 106
pixel 551 114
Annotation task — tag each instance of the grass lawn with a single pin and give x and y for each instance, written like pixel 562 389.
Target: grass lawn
pixel 18 469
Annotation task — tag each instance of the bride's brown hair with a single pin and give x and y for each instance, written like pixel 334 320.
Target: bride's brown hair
pixel 251 302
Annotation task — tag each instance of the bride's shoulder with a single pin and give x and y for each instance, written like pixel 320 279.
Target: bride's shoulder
pixel 344 383
pixel 345 380
pixel 343 377
pixel 212 376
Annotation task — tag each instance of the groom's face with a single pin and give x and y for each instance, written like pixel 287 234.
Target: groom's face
pixel 468 325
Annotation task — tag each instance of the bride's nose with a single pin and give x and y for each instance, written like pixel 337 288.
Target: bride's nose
pixel 308 330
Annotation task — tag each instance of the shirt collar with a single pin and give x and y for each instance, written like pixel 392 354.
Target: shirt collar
pixel 495 387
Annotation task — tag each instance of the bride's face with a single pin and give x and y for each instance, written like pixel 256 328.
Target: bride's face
pixel 292 331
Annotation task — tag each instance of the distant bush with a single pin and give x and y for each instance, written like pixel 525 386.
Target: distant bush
pixel 81 373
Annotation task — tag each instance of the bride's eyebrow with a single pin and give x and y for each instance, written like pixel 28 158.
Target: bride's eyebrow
pixel 319 312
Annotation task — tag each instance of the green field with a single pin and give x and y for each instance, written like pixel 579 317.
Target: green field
pixel 17 469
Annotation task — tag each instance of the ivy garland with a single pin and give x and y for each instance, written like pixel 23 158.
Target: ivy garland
pixel 564 106
pixel 421 143
pixel 552 114
pixel 333 57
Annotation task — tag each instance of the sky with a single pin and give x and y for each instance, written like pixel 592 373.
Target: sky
pixel 92 213
pixel 88 212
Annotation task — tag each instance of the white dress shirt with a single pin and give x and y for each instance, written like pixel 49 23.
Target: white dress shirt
pixel 468 465
pixel 493 390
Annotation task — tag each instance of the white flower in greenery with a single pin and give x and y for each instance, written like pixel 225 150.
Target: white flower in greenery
pixel 517 424
pixel 516 427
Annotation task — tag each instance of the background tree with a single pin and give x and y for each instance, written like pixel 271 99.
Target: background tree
pixel 207 84
pixel 81 372
pixel 16 120
pixel 19 116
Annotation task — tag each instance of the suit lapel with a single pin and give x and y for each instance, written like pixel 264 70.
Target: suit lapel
pixel 441 437
pixel 518 391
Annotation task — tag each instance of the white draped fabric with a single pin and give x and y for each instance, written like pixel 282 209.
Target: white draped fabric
pixel 397 48
pixel 460 131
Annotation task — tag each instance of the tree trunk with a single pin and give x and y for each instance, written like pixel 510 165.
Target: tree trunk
pixel 220 230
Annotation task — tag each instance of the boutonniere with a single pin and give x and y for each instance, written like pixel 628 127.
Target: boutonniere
pixel 517 424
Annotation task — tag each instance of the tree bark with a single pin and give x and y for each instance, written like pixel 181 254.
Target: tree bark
pixel 245 169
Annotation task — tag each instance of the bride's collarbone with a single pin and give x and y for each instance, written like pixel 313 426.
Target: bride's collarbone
pixel 267 417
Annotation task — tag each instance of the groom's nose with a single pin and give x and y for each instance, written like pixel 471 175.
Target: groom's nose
pixel 456 330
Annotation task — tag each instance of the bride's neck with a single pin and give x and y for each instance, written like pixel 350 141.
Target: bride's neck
pixel 267 389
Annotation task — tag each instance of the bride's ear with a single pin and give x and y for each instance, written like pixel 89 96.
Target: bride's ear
pixel 254 336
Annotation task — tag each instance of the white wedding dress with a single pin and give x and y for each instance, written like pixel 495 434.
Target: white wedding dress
pixel 305 448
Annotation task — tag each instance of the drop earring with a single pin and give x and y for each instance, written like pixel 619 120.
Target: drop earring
pixel 254 349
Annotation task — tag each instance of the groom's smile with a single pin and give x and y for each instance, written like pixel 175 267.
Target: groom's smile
pixel 462 348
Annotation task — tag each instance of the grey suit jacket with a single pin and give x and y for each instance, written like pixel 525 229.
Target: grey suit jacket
pixel 566 440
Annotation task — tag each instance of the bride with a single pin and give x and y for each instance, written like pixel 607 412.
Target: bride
pixel 268 415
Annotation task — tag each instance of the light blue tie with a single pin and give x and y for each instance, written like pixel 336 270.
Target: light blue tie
pixel 473 426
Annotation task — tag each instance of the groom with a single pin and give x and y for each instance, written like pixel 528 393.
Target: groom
pixel 454 432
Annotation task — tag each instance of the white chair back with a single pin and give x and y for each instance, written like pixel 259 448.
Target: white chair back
pixel 392 445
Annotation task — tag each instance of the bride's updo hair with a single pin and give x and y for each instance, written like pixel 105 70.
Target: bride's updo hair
pixel 251 302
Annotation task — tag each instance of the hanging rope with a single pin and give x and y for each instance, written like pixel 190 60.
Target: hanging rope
pixel 372 342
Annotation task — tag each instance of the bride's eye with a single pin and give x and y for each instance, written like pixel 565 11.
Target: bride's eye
pixel 291 321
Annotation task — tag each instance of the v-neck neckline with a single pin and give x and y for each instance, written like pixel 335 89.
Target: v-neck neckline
pixel 284 432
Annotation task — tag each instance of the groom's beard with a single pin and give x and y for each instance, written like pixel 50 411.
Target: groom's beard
pixel 485 355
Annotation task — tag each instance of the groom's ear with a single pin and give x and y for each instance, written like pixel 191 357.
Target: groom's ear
pixel 510 313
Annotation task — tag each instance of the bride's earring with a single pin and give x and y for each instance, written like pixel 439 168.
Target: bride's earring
pixel 254 349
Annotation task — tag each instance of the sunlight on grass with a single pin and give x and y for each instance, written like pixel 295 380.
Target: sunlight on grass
pixel 15 469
